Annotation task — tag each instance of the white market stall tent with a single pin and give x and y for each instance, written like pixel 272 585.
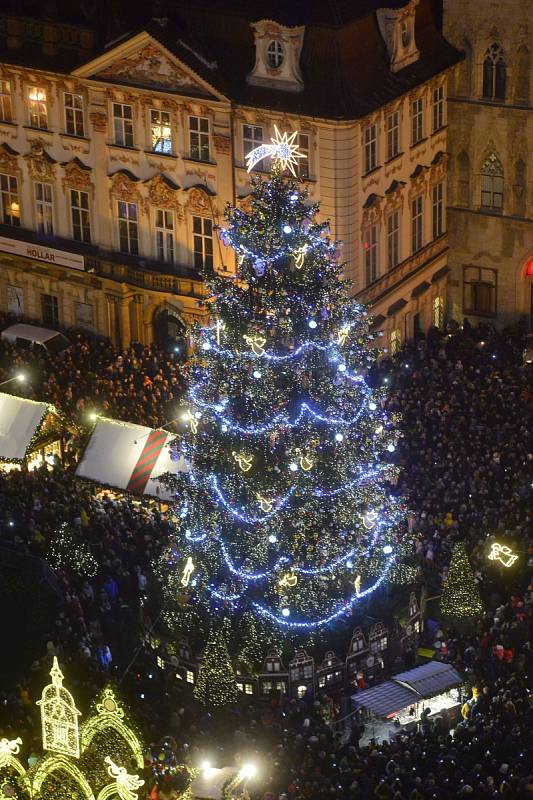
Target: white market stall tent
pixel 129 457
pixel 26 426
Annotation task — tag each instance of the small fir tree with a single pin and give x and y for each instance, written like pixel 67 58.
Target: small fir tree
pixel 216 679
pixel 461 600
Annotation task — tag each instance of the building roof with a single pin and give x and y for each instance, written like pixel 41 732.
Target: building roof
pixel 20 421
pixel 344 61
pixel 430 678
pixel 407 688
pixel 129 457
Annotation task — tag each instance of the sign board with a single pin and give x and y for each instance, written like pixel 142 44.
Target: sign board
pixel 41 253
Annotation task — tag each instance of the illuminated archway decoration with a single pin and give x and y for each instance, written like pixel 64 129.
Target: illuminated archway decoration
pixel 124 785
pixel 59 763
pixel 9 749
pixel 110 715
pixel 59 716
pixel 503 554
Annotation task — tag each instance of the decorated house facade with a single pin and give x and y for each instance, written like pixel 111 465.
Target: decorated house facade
pixel 117 159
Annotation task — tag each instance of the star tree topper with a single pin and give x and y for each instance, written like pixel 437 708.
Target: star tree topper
pixel 283 150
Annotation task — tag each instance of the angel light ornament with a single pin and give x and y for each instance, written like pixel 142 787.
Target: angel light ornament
pixel 503 554
pixel 125 785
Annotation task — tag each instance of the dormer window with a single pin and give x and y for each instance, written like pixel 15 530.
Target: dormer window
pixel 397 26
pixel 275 54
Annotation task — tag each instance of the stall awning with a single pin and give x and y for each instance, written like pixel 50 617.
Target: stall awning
pixel 430 678
pixel 20 421
pixel 129 457
pixel 407 688
pixel 385 699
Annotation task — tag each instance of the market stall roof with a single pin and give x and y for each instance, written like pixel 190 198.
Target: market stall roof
pixel 385 699
pixel 129 457
pixel 20 421
pixel 430 678
pixel 407 688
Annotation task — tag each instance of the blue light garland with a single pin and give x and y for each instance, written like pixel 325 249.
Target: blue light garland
pixel 335 615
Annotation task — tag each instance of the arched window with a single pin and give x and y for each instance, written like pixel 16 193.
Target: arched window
pixel 492 183
pixel 494 73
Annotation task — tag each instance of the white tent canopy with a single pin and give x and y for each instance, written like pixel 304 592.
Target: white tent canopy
pixel 19 422
pixel 129 457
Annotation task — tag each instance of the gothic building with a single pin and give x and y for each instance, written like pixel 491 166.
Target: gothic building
pixel 118 157
pixel 490 118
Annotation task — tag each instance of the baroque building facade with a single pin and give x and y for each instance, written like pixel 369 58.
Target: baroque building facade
pixel 116 161
pixel 490 180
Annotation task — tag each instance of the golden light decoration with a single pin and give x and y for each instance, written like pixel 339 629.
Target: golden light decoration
pixel 357 585
pixel 243 460
pixel 289 580
pixel 369 519
pixel 59 716
pixel 299 256
pixel 192 420
pixel 283 151
pixel 256 342
pixel 264 504
pixel 187 572
pixel 503 554
pixel 125 785
pixel 306 463
pixel 342 335
pixel 8 749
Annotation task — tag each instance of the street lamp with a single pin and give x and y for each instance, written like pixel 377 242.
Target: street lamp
pixel 20 377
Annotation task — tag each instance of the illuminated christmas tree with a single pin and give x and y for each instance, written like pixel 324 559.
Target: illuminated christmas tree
pixel 460 601
pixel 286 511
pixel 216 679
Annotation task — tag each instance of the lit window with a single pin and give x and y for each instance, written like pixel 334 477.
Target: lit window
pixel 252 137
pixel 267 687
pixel 438 312
pixel 164 235
pixel 190 676
pixel 38 107
pixel 240 686
pixel 276 666
pixel 492 183
pixel 161 131
pixel 479 291
pixel 10 205
pixel 417 120
pixel 393 239
pixel 44 211
pixel 202 229
pixel 128 235
pixel 321 682
pixel 81 222
pixel 371 253
pixel 370 148
pixel 199 138
pixel 275 54
pixel 438 209
pixel 6 111
pixel 123 124
pixel 303 169
pixel 438 108
pixel 248 688
pixel 280 686
pixel 393 134
pixel 395 342
pixel 74 114
pixel 417 224
pixel 301 691
pixel 494 74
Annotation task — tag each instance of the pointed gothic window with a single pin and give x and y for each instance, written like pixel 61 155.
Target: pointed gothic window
pixel 492 183
pixel 494 73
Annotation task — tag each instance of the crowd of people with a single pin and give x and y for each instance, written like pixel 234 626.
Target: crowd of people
pixel 139 384
pixel 466 412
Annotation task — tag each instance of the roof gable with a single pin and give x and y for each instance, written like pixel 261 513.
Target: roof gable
pixel 145 63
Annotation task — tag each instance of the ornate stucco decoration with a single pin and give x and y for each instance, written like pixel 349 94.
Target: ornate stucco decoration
pixel 149 66
pixel 397 26
pixel 287 75
pixel 40 164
